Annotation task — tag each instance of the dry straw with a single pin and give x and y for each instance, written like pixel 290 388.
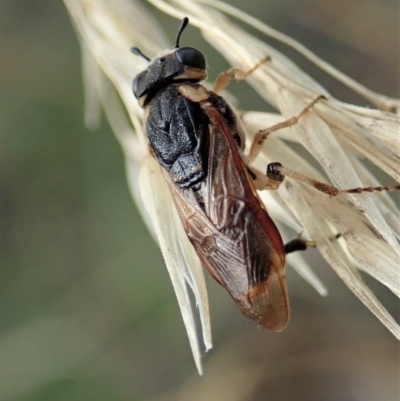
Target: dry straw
pixel 338 136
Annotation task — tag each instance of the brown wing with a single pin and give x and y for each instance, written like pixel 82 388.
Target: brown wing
pixel 232 233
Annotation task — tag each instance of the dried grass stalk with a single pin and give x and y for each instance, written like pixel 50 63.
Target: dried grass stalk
pixel 336 134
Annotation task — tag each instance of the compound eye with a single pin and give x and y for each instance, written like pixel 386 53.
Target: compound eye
pixel 191 57
pixel 135 87
pixel 140 85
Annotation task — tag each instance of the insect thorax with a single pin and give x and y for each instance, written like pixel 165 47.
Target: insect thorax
pixel 178 131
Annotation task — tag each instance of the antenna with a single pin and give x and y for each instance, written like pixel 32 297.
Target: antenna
pixel 136 50
pixel 184 22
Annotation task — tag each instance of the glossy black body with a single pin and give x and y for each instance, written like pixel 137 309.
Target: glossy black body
pixel 178 132
pixel 198 142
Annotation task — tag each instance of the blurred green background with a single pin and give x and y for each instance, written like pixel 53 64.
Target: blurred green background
pixel 87 309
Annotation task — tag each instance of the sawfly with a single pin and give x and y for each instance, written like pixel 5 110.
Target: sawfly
pixel 199 143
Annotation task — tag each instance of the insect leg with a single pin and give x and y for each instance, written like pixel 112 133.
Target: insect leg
pixel 262 135
pixel 261 180
pixel 275 171
pixel 300 244
pixel 223 79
